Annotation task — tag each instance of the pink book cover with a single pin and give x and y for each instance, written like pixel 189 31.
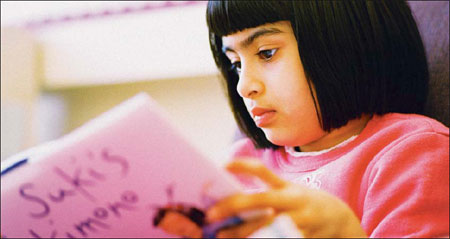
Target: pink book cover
pixel 108 178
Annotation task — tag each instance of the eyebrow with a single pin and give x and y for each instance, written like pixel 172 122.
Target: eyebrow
pixel 250 39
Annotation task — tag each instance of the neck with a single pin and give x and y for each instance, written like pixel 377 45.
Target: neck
pixel 337 136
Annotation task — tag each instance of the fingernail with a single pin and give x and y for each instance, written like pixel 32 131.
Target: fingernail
pixel 211 215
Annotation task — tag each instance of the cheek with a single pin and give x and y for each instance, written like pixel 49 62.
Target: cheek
pixel 288 83
pixel 305 128
pixel 247 103
pixel 298 125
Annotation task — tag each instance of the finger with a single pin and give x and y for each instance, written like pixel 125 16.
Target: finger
pixel 313 225
pixel 329 220
pixel 255 168
pixel 279 200
pixel 246 229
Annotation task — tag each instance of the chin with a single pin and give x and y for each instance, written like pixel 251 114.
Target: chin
pixel 285 139
pixel 280 140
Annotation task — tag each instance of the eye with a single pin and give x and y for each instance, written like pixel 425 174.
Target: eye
pixel 267 54
pixel 236 66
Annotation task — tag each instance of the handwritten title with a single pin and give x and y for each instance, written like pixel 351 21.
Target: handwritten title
pixel 80 180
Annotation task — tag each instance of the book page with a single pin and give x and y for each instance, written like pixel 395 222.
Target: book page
pixel 109 178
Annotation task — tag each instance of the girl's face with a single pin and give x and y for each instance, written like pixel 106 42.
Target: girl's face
pixel 273 84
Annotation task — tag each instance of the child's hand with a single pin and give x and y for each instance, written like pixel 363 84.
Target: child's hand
pixel 315 212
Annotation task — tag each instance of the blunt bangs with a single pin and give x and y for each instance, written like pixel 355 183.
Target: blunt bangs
pixel 228 17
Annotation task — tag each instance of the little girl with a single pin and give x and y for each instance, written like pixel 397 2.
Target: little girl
pixel 329 95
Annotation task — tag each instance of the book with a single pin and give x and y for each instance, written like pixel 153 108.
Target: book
pixel 110 178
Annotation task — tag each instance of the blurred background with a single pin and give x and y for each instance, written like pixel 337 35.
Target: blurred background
pixel 64 63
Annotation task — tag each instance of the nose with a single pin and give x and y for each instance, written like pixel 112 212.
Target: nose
pixel 250 83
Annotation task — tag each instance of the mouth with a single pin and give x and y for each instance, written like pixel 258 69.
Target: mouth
pixel 262 116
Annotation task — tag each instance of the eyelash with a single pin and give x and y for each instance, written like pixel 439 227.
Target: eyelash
pixel 236 66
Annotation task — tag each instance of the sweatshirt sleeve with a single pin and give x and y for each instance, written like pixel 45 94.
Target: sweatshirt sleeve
pixel 406 193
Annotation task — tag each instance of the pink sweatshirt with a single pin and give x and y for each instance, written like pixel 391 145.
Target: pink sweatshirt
pixel 394 174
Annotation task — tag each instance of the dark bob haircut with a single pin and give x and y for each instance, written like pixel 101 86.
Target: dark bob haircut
pixel 361 57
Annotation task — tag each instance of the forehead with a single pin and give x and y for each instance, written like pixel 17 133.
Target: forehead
pixel 240 38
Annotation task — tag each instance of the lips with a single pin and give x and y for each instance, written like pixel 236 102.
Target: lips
pixel 262 116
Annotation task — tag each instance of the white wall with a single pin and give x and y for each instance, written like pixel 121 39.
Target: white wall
pixel 163 43
pixel 72 72
pixel 19 90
